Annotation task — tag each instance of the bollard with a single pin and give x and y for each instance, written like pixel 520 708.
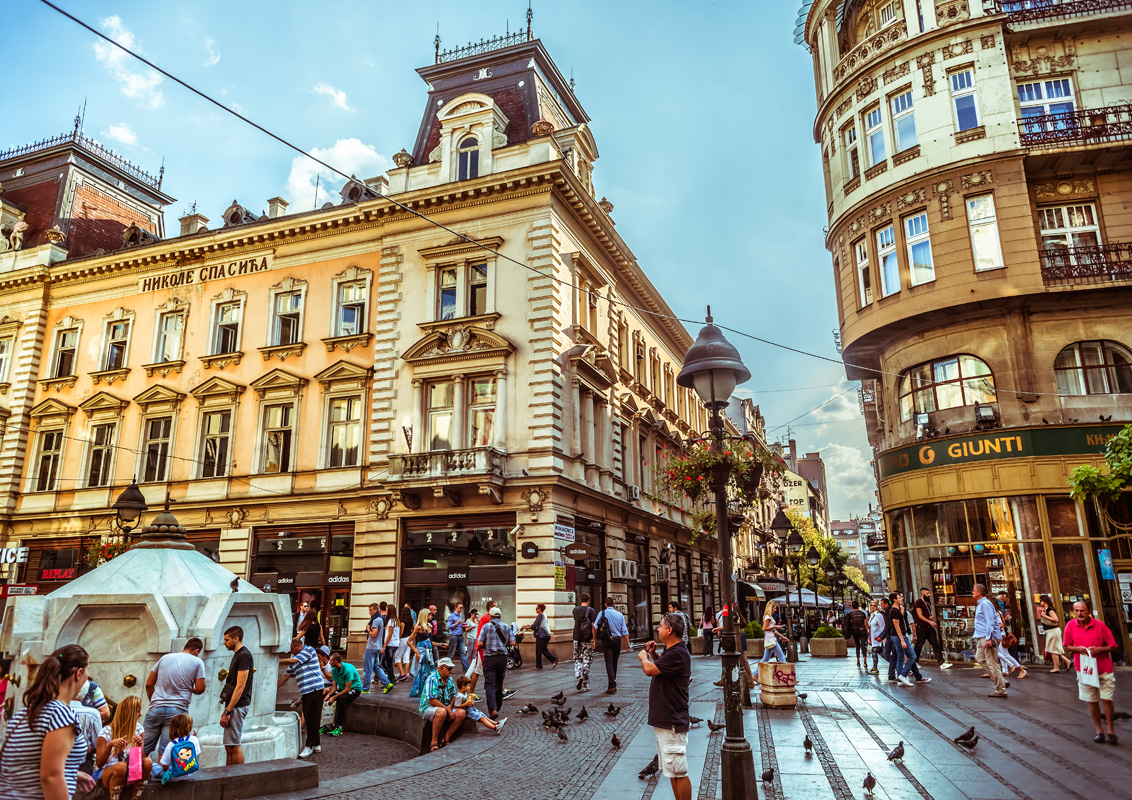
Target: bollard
pixel 777 682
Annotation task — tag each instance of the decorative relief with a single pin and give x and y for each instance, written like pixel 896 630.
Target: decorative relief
pixel 867 49
pixel 163 368
pixel 987 42
pixel 109 375
pixel 282 351
pixel 915 197
pixel 852 185
pixel 897 72
pixel 382 506
pixel 975 180
pixel 844 106
pixel 942 190
pixel 906 155
pixel 881 212
pixel 535 498
pixel 866 85
pixel 970 135
pixel 924 64
pixel 876 169
pixel 235 517
pixel 950 12
pixel 956 49
pixel 856 226
pixel 221 361
pixel 1033 59
pixel 1065 188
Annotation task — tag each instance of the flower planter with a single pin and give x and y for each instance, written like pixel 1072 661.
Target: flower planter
pixel 755 648
pixel 828 648
pixel 777 684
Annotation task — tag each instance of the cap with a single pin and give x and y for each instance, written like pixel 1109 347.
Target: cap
pixel 445 662
pixel 495 612
pixel 324 650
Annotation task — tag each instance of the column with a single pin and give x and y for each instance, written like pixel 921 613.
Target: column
pixel 608 459
pixel 588 443
pixel 419 433
pixel 459 413
pixel 633 454
pixel 499 424
pixel 576 432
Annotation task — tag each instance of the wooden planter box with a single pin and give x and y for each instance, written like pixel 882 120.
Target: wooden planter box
pixel 828 648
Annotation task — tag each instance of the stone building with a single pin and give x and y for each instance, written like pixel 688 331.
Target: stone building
pixel 354 405
pixel 978 174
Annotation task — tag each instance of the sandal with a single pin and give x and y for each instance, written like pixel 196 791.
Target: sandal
pixel 1055 672
pixel 1021 674
pixel 435 747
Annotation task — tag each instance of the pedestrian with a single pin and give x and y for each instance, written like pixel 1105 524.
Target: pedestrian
pixel 375 648
pixel 493 639
pixel 1090 640
pixel 348 688
pixel 310 629
pixel 1009 640
pixel 303 666
pixel 94 698
pixel 404 654
pixel 584 617
pixel 671 673
pixel 183 751
pixel 423 657
pixel 392 642
pixel 1005 657
pixel 437 706
pixel 237 694
pixel 1051 627
pixel 44 747
pixel 674 608
pixel 299 616
pixel 988 634
pixel 170 688
pixel 90 723
pixel 112 759
pixel 857 626
pixel 456 628
pixel 771 647
pixel 876 635
pixel 477 654
pixel 463 700
pixel 542 637
pixel 902 642
pixel 707 625
pixel 927 629
pixel 886 636
pixel 612 635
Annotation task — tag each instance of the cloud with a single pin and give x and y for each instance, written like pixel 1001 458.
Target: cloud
pixel 142 85
pixel 351 156
pixel 851 480
pixel 337 95
pixel 213 57
pixel 841 405
pixel 121 133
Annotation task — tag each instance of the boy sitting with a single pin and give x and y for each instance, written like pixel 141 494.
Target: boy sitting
pixel 462 700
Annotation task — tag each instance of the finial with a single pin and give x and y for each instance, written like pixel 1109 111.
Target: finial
pixel 709 315
pixel 78 120
pixel 161 173
pixel 437 42
pixel 571 79
pixel 530 15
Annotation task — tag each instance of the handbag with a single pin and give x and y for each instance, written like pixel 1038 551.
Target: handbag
pixel 1009 640
pixel 1087 671
pixel 134 770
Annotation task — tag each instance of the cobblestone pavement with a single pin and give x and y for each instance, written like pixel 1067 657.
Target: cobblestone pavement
pixel 1036 744
pixel 352 753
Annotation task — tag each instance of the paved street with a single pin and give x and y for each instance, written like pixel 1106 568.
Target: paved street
pixel 1035 745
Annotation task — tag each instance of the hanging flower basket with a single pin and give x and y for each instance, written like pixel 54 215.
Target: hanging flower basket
pixel 690 473
pixel 105 549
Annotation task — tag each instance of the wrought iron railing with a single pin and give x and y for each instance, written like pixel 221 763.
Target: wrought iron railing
pixel 482 46
pixel 1083 126
pixel 91 146
pixel 876 541
pixel 446 463
pixel 1089 264
pixel 1022 11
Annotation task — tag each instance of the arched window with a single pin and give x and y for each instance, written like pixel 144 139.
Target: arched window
pixel 1098 367
pixel 468 159
pixel 945 383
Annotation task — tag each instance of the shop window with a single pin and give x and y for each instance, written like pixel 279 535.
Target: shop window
pixel 921 268
pixel 345 431
pixel 226 328
pixel 1096 367
pixel 468 159
pixel 481 411
pixel 117 341
pixel 155 449
pixel 170 330
pixel 986 249
pixel 66 344
pixel 287 318
pixel 864 278
pixel 945 383
pixel 278 433
pixel 48 456
pixel 441 403
pixel 903 121
pixel 216 432
pixel 963 101
pixel 100 455
pixel 889 264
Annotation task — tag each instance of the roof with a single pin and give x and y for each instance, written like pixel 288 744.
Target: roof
pixel 158 571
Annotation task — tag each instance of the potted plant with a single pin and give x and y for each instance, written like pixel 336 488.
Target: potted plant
pixel 754 631
pixel 828 642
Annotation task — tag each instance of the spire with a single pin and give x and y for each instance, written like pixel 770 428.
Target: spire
pixel 530 16
pixel 437 42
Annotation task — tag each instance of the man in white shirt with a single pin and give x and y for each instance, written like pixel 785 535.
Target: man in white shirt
pixel 170 688
pixel 876 635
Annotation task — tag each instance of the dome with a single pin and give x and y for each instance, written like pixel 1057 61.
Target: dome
pixel 164 572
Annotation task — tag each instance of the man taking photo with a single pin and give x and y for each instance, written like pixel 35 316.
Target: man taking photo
pixel 671 673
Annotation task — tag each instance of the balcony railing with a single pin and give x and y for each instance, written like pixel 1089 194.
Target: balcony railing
pixel 473 462
pixel 877 542
pixel 1083 126
pixel 91 146
pixel 1090 264
pixel 1023 11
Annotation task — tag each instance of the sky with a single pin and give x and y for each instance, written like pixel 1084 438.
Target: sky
pixel 702 113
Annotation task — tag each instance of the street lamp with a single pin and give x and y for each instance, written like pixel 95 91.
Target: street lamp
pixel 713 368
pixel 129 506
pixel 788 537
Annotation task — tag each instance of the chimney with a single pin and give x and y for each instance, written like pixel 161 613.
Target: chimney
pixel 276 207
pixel 193 223
pixel 380 184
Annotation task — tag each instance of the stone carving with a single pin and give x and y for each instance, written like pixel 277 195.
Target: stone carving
pixel 460 339
pixel 235 517
pixel 1044 191
pixel 605 205
pixel 866 85
pixel 535 498
pixel 956 49
pixel 905 155
pixel 382 506
pixel 881 212
pixel 856 226
pixel 843 106
pixel 924 64
pixel 987 42
pixel 1065 188
pixel 1084 187
pixel 942 190
pixel 971 135
pixel 483 74
pixel 1033 59
pixel 402 159
pixel 915 197
pixel 498 139
pixel 16 239
pixel 434 156
pixel 888 37
pixel 897 72
pixel 975 179
pixel 542 128
pixel 55 235
pixel 951 12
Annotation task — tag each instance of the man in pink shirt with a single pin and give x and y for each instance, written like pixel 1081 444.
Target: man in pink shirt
pixel 1090 636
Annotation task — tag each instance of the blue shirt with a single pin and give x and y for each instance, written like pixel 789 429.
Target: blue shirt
pixel 986 620
pixel 306 671
pixel 616 621
pixel 436 688
pixel 493 643
pixel 455 624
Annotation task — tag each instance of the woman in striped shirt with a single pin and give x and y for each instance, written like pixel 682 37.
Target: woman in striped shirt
pixel 40 758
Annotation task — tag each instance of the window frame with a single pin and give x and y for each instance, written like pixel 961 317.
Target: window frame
pixel 57 350
pixel 104 453
pixel 437 412
pixel 166 468
pixel 873 130
pixel 884 251
pixel 120 341
pixel 204 437
pixel 215 324
pixel 159 335
pixel 1106 369
pixel 485 407
pixel 914 239
pixel 350 276
pixel 461 289
pixel 467 157
pixel 35 475
pixel 290 320
pixel 851 147
pixel 907 388
pixel 960 93
pixel 7 351
pixel 288 456
pixel 898 116
pixel 1069 233
pixel 864 274
pixel 1045 102
pixel 984 223
pixel 330 426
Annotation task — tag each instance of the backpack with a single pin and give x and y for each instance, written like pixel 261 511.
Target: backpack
pixel 858 620
pixel 604 635
pixel 185 760
pixel 585 626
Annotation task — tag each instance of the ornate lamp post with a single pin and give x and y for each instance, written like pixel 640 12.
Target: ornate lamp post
pixel 713 368
pixel 129 506
pixel 788 537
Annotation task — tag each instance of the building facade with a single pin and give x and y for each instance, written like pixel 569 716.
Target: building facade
pixel 978 174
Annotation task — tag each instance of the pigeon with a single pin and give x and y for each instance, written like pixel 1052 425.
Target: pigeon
pixel 565 715
pixel 768 776
pixel 652 768
pixel 714 728
pixel 869 783
pixel 562 737
pixel 808 744
pixel 558 696
pixel 897 753
pixel 963 737
pixel 694 721
pixel 612 711
pixel 559 703
pixel 615 742
pixel 802 695
pixel 1121 715
pixel 969 743
pixel 1045 421
pixel 529 709
pixel 235 584
pixel 583 715
pixel 1074 421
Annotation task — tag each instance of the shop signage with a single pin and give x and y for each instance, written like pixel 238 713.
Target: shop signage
pixel 560 579
pixel 338 579
pixel 17 590
pixel 14 555
pixel 997 445
pixel 1105 558
pixel 772 586
pixel 577 550
pixel 209 272
pixel 564 528
pixel 285 580
pixel 58 574
pixel 529 550
pixel 457 576
pixel 1124 580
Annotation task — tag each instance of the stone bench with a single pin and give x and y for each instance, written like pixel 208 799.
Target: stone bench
pixel 375 715
pixel 237 782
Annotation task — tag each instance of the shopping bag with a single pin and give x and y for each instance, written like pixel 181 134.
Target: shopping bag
pixel 1087 671
pixel 134 771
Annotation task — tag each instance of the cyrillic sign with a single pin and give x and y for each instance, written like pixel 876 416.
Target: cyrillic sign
pixel 209 272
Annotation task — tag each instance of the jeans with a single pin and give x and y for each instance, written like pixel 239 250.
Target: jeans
pixel 371 662
pixel 862 653
pixel 155 729
pixel 494 671
pixel 312 716
pixel 775 651
pixel 905 658
pixel 925 636
pixel 890 656
pixel 343 703
pixel 709 637
pixel 878 651
pixel 542 649
pixel 611 652
pixel 456 647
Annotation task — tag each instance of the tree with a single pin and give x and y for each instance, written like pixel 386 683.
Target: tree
pixel 831 555
pixel 1086 482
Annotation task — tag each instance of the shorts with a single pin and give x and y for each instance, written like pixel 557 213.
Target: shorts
pixel 404 655
pixel 673 750
pixel 476 667
pixel 1091 694
pixel 234 733
pixel 430 712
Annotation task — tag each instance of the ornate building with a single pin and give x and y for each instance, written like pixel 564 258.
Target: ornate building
pixel 978 173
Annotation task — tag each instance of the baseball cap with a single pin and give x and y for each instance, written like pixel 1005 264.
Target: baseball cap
pixel 495 612
pixel 445 662
pixel 324 650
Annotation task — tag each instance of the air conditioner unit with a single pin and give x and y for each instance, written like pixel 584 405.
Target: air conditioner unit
pixel 634 492
pixel 631 570
pixel 661 573
pixel 705 579
pixel 593 564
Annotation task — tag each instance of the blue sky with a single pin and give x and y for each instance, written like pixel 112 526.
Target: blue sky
pixel 702 113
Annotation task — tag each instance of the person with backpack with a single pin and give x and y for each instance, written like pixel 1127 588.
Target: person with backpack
pixel 181 757
pixel 857 626
pixel 584 617
pixel 493 639
pixel 612 632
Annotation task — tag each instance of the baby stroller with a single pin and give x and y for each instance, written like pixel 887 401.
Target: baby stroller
pixel 514 657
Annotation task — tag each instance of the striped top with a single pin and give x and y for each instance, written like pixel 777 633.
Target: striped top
pixel 306 671
pixel 19 767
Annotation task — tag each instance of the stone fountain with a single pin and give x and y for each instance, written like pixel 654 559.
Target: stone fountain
pixel 147 602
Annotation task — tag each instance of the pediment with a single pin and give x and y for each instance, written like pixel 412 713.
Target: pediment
pixel 648 417
pixel 629 403
pixel 105 402
pixel 343 372
pixel 593 365
pixel 458 343
pixel 277 379
pixel 216 387
pixel 51 408
pixel 159 395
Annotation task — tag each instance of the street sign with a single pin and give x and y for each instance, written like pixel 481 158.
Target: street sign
pixel 564 528
pixel 17 590
pixel 577 550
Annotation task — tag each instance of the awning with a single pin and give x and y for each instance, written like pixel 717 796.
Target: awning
pixel 750 589
pixel 808 598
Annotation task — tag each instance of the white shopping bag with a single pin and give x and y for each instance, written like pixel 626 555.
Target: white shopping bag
pixel 1087 671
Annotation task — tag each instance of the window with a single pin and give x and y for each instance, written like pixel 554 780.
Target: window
pixel 1038 100
pixel 278 430
pixel 66 341
pixel 477 289
pixel 350 319
pixel 985 247
pixel 874 135
pixel 47 461
pixel 170 330
pixel 1066 229
pixel 887 14
pixel 1100 367
pixel 117 338
pixel 101 451
pixel 963 99
pixel 227 336
pixel 889 266
pixel 441 402
pixel 864 280
pixel 345 431
pixel 155 449
pixel 903 122
pixel 852 156
pixel 946 383
pixel 216 429
pixel 287 324
pixel 468 159
pixel 5 358
pixel 481 411
pixel 639 357
pixel 623 354
pixel 447 296
pixel 920 266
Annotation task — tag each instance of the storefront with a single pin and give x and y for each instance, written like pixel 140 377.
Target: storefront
pixel 638 616
pixel 684 581
pixel 587 575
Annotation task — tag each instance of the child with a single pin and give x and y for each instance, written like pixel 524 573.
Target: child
pixel 462 700
pixel 181 756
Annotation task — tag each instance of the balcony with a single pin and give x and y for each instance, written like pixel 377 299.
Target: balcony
pixel 877 542
pixel 1094 264
pixel 1029 11
pixel 445 465
pixel 1081 127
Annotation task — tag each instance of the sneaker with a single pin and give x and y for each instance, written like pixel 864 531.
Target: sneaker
pixel 1111 738
pixel 499 725
pixel 579 684
pixel 997 694
pixel 317 748
pixel 305 752
pixel 924 679
pixel 945 665
pixel 509 693
pixel 365 691
pixel 904 680
pixel 388 687
pixel 335 731
pixel 874 672
pixel 475 697
pixel 325 729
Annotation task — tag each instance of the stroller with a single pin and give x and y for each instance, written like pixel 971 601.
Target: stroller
pixel 514 657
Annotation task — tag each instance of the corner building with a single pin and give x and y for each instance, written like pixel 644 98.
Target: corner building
pixel 352 405
pixel 978 176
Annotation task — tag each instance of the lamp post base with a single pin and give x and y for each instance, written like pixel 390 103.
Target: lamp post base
pixel 737 771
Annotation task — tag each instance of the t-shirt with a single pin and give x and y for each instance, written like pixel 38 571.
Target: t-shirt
pixel 584 617
pixel 1093 633
pixel 857 621
pixel 393 629
pixel 768 635
pixel 107 734
pixel 376 623
pixel 177 674
pixel 19 767
pixel 668 692
pixel 171 749
pixel 344 674
pixel 94 697
pixel 90 723
pixel 241 660
pixel 921 606
pixel 892 613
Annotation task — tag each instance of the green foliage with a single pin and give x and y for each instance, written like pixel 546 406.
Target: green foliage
pixel 754 630
pixel 1087 482
pixel 689 472
pixel 827 632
